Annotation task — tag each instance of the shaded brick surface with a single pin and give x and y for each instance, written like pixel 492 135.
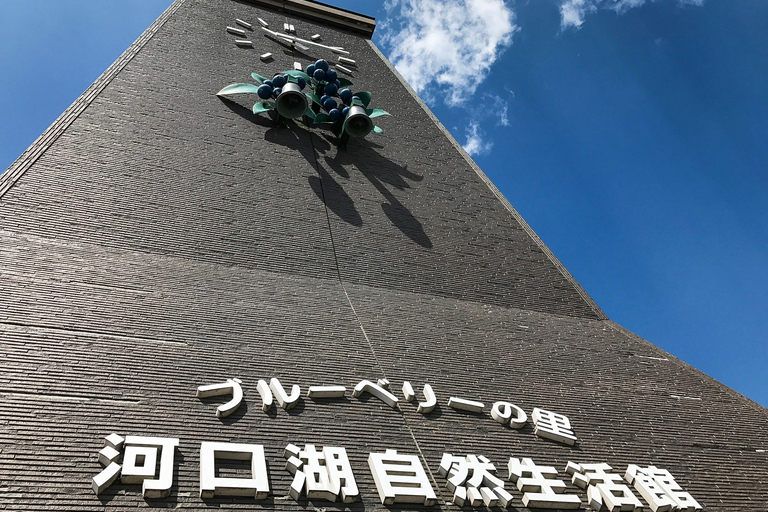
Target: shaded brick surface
pixel 157 238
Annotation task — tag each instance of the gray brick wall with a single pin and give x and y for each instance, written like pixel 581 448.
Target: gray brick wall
pixel 157 238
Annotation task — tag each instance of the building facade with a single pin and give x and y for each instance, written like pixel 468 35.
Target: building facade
pixel 159 238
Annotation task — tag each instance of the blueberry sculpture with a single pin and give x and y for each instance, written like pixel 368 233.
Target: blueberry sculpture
pixel 328 100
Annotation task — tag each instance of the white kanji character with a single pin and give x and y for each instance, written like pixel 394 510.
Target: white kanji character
pixel 553 426
pixel 502 412
pixel 340 472
pixel 211 485
pixel 139 461
pixel 481 485
pixel 400 478
pixel 232 386
pixel 322 474
pixel 430 400
pixel 659 489
pixel 376 390
pixel 108 457
pixel 604 490
pixel 542 480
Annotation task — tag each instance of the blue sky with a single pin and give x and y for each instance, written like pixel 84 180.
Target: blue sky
pixel 632 135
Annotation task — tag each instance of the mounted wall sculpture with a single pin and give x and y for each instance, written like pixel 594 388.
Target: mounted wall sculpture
pixel 284 95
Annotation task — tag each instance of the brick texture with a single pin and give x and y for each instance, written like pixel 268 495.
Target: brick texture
pixel 157 238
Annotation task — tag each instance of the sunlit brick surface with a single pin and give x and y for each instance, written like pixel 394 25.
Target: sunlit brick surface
pixel 159 238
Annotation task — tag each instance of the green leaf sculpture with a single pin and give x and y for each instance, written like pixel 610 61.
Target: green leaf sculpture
pixel 376 112
pixel 238 89
pixel 259 78
pixel 364 96
pixel 297 74
pixel 263 106
pixel 313 97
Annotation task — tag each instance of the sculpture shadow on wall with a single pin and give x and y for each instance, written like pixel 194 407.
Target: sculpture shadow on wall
pixel 291 135
pixel 360 155
pixel 381 173
pixel 245 112
pixel 335 198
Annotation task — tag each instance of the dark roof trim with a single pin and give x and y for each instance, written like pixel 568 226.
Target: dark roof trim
pixel 352 21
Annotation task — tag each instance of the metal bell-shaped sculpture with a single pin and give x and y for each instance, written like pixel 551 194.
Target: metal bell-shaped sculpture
pixel 291 103
pixel 358 124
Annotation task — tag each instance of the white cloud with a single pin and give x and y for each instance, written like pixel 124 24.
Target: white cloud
pixel 496 106
pixel 475 144
pixel 450 44
pixel 623 6
pixel 573 12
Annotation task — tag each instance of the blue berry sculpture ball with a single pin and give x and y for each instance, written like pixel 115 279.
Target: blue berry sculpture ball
pixel 331 75
pixel 264 91
pixel 334 114
pixel 329 104
pixel 345 112
pixel 301 82
pixel 321 64
pixel 279 80
pixel 269 83
pixel 310 69
pixel 319 74
pixel 345 95
pixel 331 89
pixel 323 98
pixel 276 91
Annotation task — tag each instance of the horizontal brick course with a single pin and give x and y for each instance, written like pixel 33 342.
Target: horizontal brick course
pixel 158 238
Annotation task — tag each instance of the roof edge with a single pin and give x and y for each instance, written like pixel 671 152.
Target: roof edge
pixel 599 313
pixel 349 20
pixel 676 360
